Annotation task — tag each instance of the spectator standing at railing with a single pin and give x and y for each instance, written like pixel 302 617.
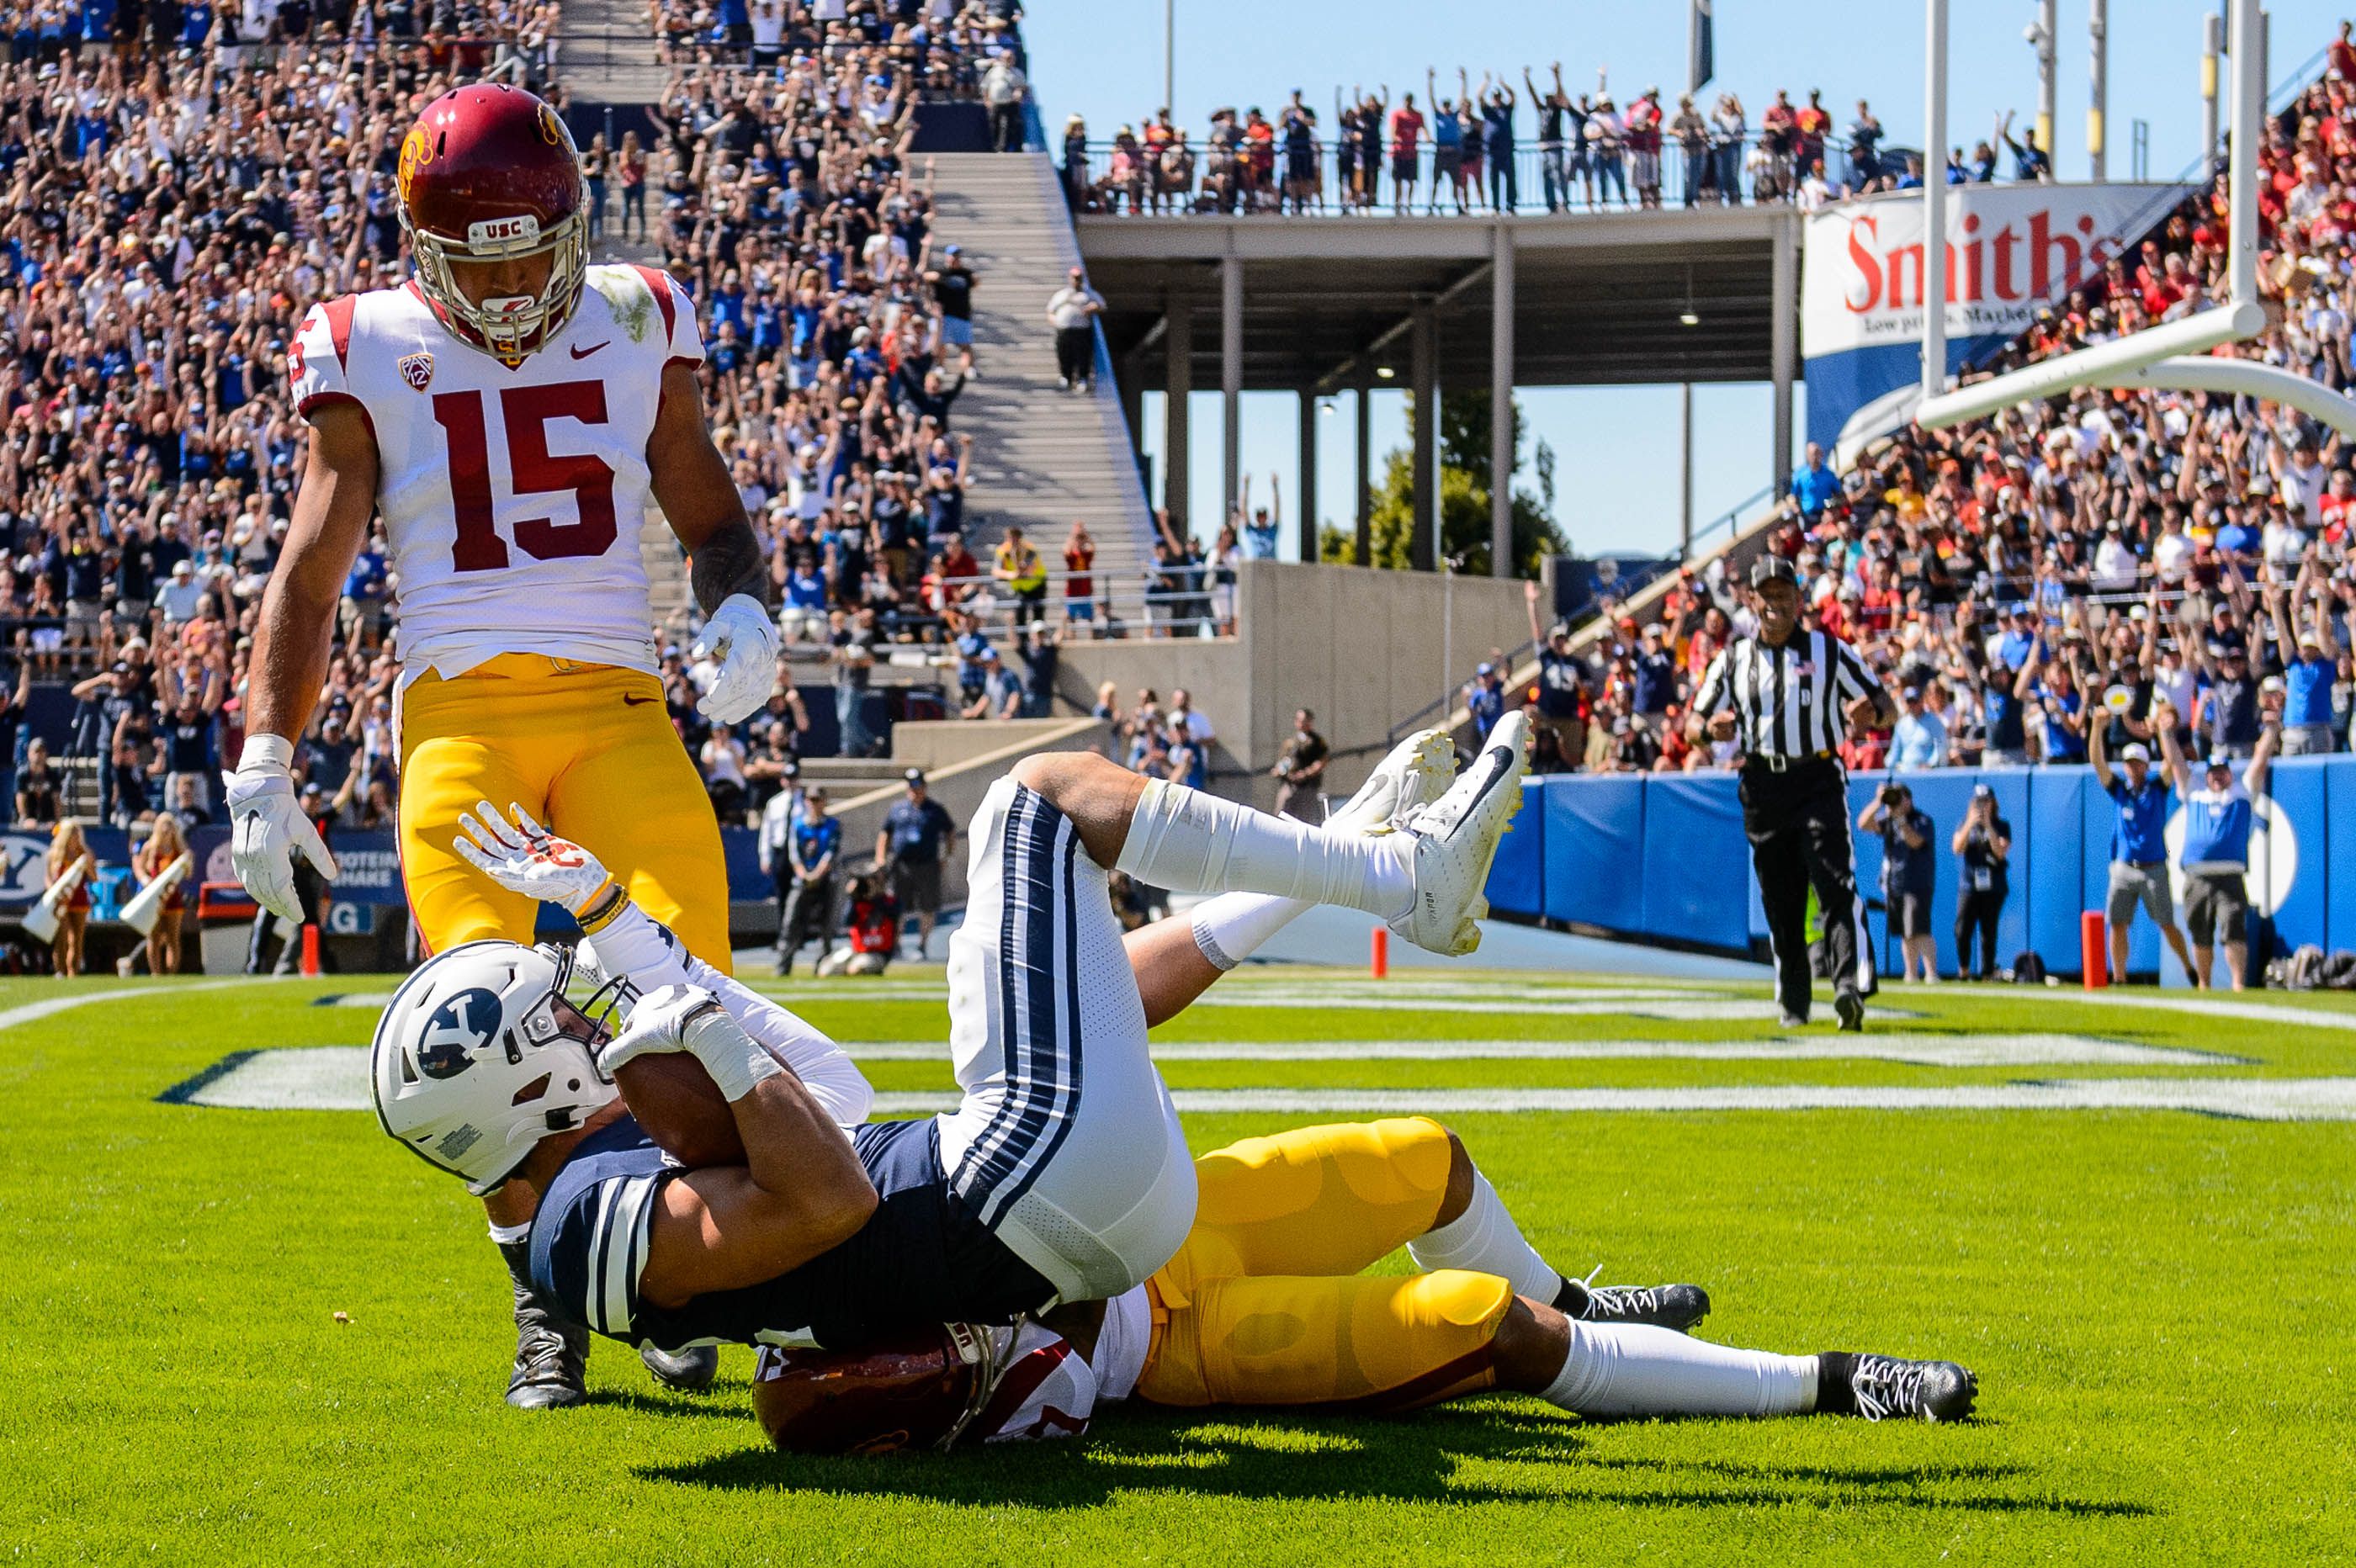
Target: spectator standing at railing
pixel 1553 107
pixel 630 169
pixel 1004 90
pixel 1816 486
pixel 1406 135
pixel 1864 148
pixel 1496 105
pixel 1298 131
pixel 1607 141
pixel 1692 133
pixel 1730 133
pixel 1811 125
pixel 1644 121
pixel 1446 149
pixel 1073 310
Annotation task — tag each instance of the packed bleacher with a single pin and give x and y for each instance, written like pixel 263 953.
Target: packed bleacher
pixel 2102 559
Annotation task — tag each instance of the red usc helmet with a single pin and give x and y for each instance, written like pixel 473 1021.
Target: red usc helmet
pixel 917 1390
pixel 490 173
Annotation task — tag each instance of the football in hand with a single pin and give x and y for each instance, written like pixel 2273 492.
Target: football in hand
pixel 674 1098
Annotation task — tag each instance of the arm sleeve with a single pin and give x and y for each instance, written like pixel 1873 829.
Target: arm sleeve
pixel 640 948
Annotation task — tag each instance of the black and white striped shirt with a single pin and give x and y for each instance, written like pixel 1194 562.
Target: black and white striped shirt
pixel 1789 701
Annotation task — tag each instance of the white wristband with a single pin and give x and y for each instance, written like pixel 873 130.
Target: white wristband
pixel 267 753
pixel 736 1062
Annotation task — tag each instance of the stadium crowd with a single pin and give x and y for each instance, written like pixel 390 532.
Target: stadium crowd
pixel 1507 144
pixel 2081 563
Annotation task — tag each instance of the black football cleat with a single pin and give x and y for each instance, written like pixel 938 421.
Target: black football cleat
pixel 549 1361
pixel 1850 1008
pixel 551 1354
pixel 688 1371
pixel 1886 1388
pixel 1677 1307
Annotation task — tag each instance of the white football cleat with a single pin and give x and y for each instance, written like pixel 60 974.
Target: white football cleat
pixel 1455 841
pixel 1415 774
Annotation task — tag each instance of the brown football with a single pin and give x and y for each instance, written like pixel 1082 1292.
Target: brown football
pixel 681 1109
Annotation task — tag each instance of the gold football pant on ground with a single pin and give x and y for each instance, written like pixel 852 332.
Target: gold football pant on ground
pixel 587 749
pixel 1263 1305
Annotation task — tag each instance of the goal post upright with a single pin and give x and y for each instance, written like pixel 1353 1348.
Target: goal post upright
pixel 2171 355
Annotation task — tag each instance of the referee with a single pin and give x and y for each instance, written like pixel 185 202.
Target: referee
pixel 1788 695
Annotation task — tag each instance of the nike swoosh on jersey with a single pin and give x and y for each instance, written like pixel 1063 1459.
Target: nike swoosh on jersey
pixel 636 701
pixel 581 353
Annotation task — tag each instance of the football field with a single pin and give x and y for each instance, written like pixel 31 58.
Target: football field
pixel 240 1326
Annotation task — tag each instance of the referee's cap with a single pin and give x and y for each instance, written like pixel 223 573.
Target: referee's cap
pixel 1770 569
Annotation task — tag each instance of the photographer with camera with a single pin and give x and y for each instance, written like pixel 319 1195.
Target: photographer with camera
pixel 1909 873
pixel 1984 845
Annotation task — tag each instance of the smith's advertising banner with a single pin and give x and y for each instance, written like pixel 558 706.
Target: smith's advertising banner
pixel 2011 251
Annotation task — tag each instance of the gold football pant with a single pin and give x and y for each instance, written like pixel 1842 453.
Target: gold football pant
pixel 1264 1303
pixel 587 749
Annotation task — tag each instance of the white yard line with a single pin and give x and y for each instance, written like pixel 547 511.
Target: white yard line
pixel 2259 1099
pixel 1922 1049
pixel 30 1012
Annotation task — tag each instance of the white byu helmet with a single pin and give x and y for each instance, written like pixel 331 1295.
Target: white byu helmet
pixel 481 1055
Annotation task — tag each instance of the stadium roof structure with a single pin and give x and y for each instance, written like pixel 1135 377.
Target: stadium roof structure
pixel 1599 298
pixel 1319 304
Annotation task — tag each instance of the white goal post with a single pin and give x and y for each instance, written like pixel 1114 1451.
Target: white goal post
pixel 2174 355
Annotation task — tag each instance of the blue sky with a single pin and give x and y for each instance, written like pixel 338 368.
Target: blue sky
pixel 1617 448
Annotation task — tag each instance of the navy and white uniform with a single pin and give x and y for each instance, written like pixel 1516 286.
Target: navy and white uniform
pixel 1063 1174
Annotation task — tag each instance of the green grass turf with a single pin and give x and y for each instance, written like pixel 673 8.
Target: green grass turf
pixel 2158 1306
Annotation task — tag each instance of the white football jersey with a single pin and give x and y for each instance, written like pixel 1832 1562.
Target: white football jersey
pixel 512 499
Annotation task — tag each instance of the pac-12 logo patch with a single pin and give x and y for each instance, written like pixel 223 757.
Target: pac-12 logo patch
pixel 417 369
pixel 458 1028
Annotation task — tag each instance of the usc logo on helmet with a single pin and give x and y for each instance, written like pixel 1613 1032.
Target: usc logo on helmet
pixel 416 152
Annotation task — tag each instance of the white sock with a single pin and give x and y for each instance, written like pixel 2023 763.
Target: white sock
pixel 506 1235
pixel 1190 842
pixel 1637 1370
pixel 1232 927
pixel 1484 1239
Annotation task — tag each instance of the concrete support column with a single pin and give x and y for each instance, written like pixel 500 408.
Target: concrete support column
pixel 1501 401
pixel 1365 511
pixel 1178 356
pixel 1423 546
pixel 1784 355
pixel 1685 471
pixel 1131 388
pixel 1304 506
pixel 1231 380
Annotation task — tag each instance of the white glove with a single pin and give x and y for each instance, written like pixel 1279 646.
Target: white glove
pixel 525 857
pixel 743 641
pixel 690 1018
pixel 270 828
pixel 656 1025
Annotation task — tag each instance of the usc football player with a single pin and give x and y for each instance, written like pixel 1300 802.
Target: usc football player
pixel 512 412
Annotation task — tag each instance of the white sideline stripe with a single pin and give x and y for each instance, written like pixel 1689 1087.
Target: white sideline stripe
pixel 2251 1012
pixel 31 1012
pixel 1921 1050
pixel 2256 1099
pixel 335 1077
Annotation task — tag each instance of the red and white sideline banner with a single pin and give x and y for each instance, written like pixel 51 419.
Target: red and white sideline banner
pixel 2011 250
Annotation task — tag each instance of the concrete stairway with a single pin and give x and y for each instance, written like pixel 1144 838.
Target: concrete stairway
pixel 1041 456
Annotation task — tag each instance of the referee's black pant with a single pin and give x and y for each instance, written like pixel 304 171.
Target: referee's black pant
pixel 1797 822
